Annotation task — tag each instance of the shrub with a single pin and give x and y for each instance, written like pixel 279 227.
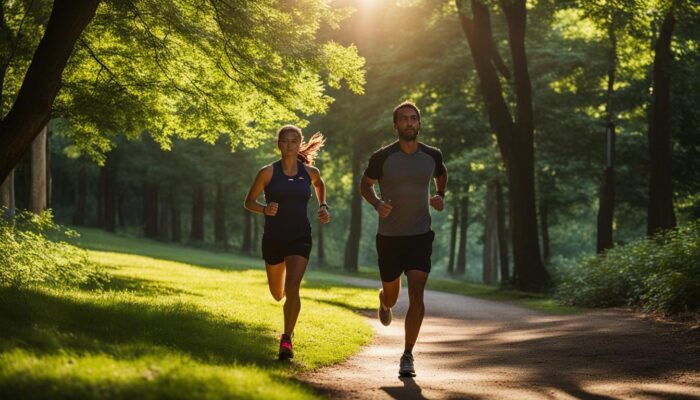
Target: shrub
pixel 28 258
pixel 661 274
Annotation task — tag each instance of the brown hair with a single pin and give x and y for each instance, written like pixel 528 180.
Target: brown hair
pixel 307 150
pixel 408 104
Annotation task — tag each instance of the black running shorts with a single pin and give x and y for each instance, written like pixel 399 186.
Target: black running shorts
pixel 274 251
pixel 398 254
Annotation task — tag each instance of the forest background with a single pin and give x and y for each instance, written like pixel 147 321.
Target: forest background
pixel 165 115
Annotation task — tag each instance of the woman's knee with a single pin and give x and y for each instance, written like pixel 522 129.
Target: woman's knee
pixel 292 290
pixel 277 294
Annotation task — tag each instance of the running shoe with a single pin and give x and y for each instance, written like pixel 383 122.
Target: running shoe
pixel 286 351
pixel 406 365
pixel 384 313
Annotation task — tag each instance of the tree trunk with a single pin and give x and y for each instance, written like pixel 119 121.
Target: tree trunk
pixel 247 245
pixel 606 207
pixel 461 267
pixel 544 223
pixel 164 220
pixel 197 231
pixel 490 253
pixel 257 238
pixel 220 215
pixel 49 179
pixel 175 222
pixel 31 109
pixel 121 211
pixel 660 213
pixel 150 210
pixel 320 247
pixel 110 192
pixel 605 211
pixel 352 247
pixel 101 189
pixel 502 235
pixel 37 193
pixel 515 137
pixel 81 197
pixel 7 195
pixel 453 238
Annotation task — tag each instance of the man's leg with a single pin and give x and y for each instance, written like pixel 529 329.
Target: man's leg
pixel 416 309
pixel 390 292
pixel 414 318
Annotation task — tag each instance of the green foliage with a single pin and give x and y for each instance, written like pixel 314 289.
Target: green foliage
pixel 28 258
pixel 658 274
pixel 192 69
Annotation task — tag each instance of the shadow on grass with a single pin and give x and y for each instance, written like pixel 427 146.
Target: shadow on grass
pixel 95 239
pixel 143 287
pixel 129 329
pixel 331 287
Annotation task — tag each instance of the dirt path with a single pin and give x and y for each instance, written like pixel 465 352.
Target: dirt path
pixel 477 349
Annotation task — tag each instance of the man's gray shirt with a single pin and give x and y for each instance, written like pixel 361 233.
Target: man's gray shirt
pixel 404 181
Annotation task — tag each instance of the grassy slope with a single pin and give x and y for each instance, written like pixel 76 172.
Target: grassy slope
pixel 202 325
pixel 100 240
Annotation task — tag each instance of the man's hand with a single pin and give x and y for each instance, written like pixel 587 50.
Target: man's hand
pixel 383 208
pixel 271 209
pixel 323 215
pixel 437 202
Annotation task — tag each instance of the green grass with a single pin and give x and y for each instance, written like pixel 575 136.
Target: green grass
pixel 173 322
pixel 100 240
pixel 534 301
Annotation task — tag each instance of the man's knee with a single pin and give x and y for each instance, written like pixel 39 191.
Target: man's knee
pixel 389 302
pixel 415 294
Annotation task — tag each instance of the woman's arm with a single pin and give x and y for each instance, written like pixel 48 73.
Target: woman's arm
pixel 320 189
pixel 251 200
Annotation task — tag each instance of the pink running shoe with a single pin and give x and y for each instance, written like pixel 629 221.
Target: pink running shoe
pixel 286 351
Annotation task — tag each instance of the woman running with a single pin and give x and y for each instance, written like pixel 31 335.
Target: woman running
pixel 286 242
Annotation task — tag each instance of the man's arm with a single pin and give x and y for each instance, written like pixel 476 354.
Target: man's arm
pixel 441 183
pixel 368 193
pixel 438 200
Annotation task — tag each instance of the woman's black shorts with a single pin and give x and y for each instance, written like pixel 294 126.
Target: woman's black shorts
pixel 402 253
pixel 274 251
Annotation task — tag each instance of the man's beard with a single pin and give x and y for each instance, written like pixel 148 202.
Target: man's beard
pixel 408 134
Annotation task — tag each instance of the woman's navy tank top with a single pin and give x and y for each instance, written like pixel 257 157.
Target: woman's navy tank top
pixel 293 194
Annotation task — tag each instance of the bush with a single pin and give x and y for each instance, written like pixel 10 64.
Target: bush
pixel 28 258
pixel 657 274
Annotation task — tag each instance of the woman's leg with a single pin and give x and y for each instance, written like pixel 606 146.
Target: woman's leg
pixel 296 266
pixel 276 274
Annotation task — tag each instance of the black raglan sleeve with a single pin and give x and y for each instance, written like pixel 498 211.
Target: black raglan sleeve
pixel 374 168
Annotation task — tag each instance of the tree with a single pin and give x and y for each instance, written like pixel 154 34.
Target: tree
pixel 32 107
pixel 140 67
pixel 38 195
pixel 515 136
pixel 660 213
pixel 491 245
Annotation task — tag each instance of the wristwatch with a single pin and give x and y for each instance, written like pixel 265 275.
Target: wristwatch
pixel 322 205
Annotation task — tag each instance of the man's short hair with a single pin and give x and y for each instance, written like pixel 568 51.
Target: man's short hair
pixel 405 104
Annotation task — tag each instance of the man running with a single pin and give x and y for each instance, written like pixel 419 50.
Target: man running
pixel 404 170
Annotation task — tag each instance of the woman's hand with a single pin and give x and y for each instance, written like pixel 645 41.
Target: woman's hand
pixel 323 215
pixel 271 209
